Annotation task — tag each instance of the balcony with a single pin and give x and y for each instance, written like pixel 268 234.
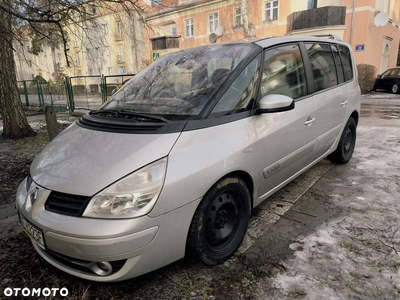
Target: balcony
pixel 165 42
pixel 317 17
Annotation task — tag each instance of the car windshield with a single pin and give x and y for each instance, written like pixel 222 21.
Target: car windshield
pixel 179 85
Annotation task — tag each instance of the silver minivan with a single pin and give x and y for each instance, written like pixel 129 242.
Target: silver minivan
pixel 179 156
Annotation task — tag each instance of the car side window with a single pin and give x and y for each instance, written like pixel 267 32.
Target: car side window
pixel 241 93
pixel 283 72
pixel 338 62
pixel 322 65
pixel 346 61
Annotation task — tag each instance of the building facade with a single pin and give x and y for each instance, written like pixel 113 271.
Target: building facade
pixel 180 24
pixel 120 43
pixel 106 43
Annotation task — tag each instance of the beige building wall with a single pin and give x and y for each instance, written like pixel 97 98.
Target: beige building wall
pixel 109 44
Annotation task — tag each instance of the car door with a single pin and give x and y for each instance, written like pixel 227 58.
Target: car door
pixel 330 92
pixel 285 140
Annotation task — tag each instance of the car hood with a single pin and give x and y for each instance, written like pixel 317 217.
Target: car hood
pixel 82 161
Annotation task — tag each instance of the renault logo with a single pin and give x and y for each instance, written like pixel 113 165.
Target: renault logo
pixel 33 195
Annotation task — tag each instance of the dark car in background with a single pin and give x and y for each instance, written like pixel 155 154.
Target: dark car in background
pixel 388 81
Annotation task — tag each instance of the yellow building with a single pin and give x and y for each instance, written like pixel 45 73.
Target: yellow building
pixel 100 42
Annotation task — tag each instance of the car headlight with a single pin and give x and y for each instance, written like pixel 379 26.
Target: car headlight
pixel 132 196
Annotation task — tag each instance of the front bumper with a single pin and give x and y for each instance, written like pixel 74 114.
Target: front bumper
pixel 132 247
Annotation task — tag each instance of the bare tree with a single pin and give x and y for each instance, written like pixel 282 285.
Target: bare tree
pixel 48 22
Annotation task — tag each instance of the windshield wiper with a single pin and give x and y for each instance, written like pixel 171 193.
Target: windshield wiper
pixel 122 112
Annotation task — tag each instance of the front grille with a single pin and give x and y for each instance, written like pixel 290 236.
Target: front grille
pixel 66 204
pixel 83 265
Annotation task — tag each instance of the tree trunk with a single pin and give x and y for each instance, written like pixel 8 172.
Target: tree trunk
pixel 15 124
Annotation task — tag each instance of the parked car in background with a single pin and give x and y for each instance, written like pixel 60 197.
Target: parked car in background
pixel 179 156
pixel 388 81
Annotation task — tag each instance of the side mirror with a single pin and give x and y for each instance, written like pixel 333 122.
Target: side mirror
pixel 275 103
pixel 380 76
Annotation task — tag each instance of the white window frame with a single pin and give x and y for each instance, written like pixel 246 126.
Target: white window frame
pixel 121 53
pixel 78 58
pixel 119 30
pixel 237 16
pixel 213 21
pixel 189 27
pixel 269 8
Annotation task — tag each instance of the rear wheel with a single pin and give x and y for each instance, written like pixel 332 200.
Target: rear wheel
pixel 395 88
pixel 220 222
pixel 346 145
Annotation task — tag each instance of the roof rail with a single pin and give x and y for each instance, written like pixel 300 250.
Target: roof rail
pixel 329 36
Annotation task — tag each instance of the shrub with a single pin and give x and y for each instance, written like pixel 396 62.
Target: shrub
pixel 366 77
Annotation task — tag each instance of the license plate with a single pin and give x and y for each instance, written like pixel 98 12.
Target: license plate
pixel 35 233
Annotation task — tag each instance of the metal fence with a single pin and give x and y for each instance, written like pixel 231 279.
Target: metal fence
pixel 39 94
pixel 75 93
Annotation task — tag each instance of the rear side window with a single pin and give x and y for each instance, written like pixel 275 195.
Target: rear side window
pixel 323 66
pixel 283 72
pixel 338 62
pixel 347 63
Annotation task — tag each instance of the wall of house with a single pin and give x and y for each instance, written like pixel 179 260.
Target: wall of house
pixel 375 45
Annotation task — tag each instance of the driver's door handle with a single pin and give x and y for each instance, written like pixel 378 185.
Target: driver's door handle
pixel 309 121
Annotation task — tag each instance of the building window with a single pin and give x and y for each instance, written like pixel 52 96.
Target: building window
pixel 312 4
pixel 119 30
pixel 212 22
pixel 78 58
pixel 105 29
pixel 89 55
pixel 76 41
pixel 238 16
pixel 271 10
pixel 174 31
pixel 98 53
pixel 189 27
pixel 120 53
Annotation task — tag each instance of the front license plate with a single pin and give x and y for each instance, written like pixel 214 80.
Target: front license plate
pixel 35 233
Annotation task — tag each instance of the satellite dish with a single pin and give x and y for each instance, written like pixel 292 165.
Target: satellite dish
pixel 213 38
pixel 381 19
pixel 219 30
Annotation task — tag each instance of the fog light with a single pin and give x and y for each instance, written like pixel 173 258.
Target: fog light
pixel 101 268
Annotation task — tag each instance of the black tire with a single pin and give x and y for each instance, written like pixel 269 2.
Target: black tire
pixel 220 221
pixel 346 145
pixel 395 88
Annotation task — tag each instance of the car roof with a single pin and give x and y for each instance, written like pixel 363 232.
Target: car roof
pixel 271 41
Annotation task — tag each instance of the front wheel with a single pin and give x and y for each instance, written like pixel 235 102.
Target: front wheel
pixel 220 221
pixel 346 145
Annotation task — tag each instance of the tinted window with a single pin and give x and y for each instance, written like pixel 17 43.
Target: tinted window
pixel 322 65
pixel 346 61
pixel 283 72
pixel 240 95
pixel 338 62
